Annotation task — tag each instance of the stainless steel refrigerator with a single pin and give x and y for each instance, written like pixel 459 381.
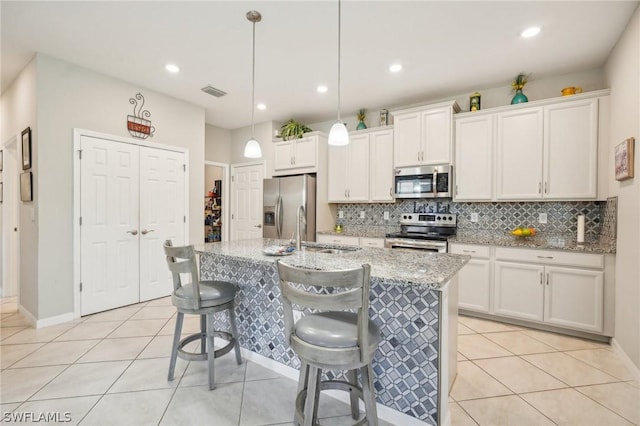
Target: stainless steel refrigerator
pixel 282 197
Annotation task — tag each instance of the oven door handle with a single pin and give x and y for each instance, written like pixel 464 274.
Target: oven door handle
pixel 415 244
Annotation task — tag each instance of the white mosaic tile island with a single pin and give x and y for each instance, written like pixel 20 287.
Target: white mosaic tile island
pixel 413 301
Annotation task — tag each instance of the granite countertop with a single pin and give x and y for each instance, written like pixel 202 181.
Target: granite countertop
pixel 547 242
pixel 398 266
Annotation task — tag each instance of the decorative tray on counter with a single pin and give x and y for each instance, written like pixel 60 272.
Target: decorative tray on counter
pixel 278 250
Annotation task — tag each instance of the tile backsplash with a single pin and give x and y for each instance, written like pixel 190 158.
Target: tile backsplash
pixel 600 216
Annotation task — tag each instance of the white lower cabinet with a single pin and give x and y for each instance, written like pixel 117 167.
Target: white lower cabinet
pixel 474 279
pixel 565 296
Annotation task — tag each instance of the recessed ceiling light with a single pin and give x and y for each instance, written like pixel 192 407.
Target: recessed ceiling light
pixel 530 32
pixel 322 89
pixel 395 68
pixel 173 68
pixel 261 107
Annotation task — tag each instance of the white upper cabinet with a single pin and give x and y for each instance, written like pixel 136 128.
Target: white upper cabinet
pixel 544 151
pixel 381 165
pixel 296 155
pixel 363 170
pixel 571 150
pixel 423 135
pixel 474 148
pixel 519 154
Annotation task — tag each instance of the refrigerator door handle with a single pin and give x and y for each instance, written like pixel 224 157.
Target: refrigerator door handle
pixel 279 216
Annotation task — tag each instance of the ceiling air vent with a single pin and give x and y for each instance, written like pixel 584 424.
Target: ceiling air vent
pixel 213 91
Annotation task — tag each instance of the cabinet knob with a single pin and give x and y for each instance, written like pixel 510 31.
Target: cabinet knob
pixel 258 226
pixel 133 232
pixel 146 231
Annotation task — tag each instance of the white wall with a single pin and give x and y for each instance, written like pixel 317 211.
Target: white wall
pixel 18 111
pixel 217 144
pixel 72 97
pixel 622 72
pixel 264 136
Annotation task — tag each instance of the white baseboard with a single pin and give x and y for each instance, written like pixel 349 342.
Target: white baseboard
pixel 45 322
pixel 625 358
pixel 385 413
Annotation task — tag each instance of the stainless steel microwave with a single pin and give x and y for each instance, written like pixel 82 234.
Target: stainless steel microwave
pixel 435 181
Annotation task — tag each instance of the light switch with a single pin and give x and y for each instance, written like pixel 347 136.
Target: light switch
pixel 340 214
pixel 362 214
pixel 542 218
pixel 474 217
pixel 385 215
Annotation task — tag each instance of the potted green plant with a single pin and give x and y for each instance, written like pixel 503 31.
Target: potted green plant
pixel 293 129
pixel 362 114
pixel 517 85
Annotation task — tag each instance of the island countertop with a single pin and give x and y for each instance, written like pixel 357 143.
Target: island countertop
pixel 398 266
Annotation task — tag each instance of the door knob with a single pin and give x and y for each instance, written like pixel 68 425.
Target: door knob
pixel 258 226
pixel 133 232
pixel 145 231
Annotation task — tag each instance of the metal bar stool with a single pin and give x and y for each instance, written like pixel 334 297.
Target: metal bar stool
pixel 203 298
pixel 330 338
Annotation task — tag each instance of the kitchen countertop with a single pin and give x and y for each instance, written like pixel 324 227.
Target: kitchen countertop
pixel 547 242
pixel 397 266
pixel 367 232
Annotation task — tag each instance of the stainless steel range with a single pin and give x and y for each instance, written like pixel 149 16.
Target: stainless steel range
pixel 424 231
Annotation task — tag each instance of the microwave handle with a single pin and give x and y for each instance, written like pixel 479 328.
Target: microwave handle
pixel 435 181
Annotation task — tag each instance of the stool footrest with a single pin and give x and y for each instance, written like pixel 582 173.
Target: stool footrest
pixel 199 356
pixel 326 385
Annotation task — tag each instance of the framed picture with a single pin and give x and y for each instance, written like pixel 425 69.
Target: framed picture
pixel 624 159
pixel 26 148
pixel 26 187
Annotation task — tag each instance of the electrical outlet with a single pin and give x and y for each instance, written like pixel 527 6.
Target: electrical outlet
pixel 542 218
pixel 474 217
pixel 385 215
pixel 340 214
pixel 297 315
pixel 362 214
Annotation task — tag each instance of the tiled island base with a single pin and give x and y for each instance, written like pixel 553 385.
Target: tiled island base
pixel 406 363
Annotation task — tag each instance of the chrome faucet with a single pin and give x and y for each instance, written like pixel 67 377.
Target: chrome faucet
pixel 300 216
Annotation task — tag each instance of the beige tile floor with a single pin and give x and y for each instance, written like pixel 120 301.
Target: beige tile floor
pixel 109 369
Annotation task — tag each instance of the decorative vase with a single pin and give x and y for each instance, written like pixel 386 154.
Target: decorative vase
pixel 361 126
pixel 519 97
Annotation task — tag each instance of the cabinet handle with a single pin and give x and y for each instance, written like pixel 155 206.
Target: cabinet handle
pixel 546 189
pixel 547 279
pixel 545 257
pixel 391 192
pixel 345 193
pixel 539 187
pixel 146 231
pixel 456 189
pixel 540 278
pixel 133 232
pixel 348 193
pixel 468 251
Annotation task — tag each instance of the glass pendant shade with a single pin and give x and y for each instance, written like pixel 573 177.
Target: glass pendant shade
pixel 338 135
pixel 252 149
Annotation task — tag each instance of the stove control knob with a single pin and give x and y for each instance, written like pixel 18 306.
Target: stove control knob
pixel 450 218
pixel 439 218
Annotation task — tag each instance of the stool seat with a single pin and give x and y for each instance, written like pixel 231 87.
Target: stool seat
pixel 333 330
pixel 212 293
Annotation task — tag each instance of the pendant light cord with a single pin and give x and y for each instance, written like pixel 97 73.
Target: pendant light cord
pixel 339 31
pixel 253 83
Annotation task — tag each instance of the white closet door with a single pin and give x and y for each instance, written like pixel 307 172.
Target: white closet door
pixel 246 199
pixel 109 231
pixel 162 217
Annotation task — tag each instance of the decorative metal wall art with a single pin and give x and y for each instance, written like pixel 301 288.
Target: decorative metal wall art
pixel 137 124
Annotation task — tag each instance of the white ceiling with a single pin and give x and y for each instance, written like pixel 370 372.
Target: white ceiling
pixel 446 47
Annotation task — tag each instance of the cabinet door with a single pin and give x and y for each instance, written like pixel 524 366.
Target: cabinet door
pixel 305 152
pixel 371 242
pixel 571 150
pixel 381 165
pixel 474 281
pixel 436 136
pixel 407 139
pixel 283 155
pixel 474 158
pixel 337 239
pixel 519 155
pixel 519 290
pixel 358 168
pixel 574 298
pixel 337 171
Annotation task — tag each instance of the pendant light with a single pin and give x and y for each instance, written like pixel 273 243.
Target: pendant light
pixel 252 148
pixel 338 134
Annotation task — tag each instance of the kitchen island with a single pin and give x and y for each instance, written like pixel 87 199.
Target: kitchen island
pixel 413 301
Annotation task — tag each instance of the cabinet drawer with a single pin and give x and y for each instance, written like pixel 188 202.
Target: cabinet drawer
pixel 338 239
pixel 371 242
pixel 549 257
pixel 475 251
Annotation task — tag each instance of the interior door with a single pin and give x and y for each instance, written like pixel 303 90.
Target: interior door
pixel 109 231
pixel 246 202
pixel 162 216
